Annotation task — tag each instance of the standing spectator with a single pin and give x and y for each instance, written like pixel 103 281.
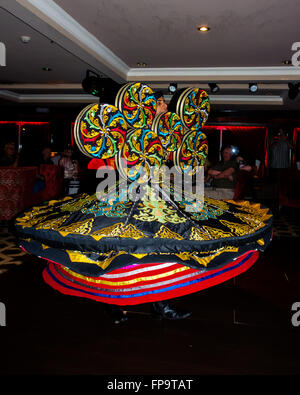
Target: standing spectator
pixel 70 168
pixel 279 165
pixel 280 151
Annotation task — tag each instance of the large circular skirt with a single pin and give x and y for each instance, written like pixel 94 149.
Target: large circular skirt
pixel 144 283
pixel 132 252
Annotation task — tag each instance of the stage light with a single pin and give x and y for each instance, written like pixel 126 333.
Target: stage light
pixel 293 90
pixel 104 88
pixel 253 87
pixel 92 84
pixel 214 87
pixel 172 88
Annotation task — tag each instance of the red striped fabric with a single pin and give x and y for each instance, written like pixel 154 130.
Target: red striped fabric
pixel 141 285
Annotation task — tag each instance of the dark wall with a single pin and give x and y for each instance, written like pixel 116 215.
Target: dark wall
pixel 61 117
pixel 57 134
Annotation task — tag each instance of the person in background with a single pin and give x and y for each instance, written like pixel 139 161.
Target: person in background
pixel 46 156
pixel 280 151
pixel 244 177
pixel 243 164
pixel 44 159
pixel 280 161
pixel 280 154
pixel 70 168
pixel 10 156
pixel 56 158
pixel 223 175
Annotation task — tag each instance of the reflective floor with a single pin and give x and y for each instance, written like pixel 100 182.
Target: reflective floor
pixel 243 326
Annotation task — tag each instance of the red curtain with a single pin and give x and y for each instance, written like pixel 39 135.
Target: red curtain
pixel 296 145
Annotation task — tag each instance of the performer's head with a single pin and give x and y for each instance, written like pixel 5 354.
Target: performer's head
pixel 160 101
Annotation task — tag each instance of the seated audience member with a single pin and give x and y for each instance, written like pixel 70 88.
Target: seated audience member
pixel 223 175
pixel 244 177
pixel 10 156
pixel 243 164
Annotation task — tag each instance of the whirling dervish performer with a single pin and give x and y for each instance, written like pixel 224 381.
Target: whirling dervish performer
pixel 143 237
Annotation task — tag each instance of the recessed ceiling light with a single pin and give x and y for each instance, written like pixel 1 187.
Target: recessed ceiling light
pixel 286 62
pixel 141 64
pixel 203 28
pixel 25 39
pixel 47 69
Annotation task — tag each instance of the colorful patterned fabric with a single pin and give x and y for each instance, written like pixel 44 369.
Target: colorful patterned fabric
pixel 104 236
pixel 100 131
pixel 193 108
pixel 142 240
pixel 137 103
pixel 141 151
pixel 140 283
pixel 170 130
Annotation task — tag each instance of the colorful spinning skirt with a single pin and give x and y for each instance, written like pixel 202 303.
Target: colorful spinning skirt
pixel 132 252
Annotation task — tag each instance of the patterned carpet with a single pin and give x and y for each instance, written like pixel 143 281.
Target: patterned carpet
pixel 286 225
pixel 10 253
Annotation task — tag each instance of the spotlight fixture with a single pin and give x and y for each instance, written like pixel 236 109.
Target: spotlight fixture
pixel 141 64
pixel 253 87
pixel 47 69
pixel 203 28
pixel 172 88
pixel 105 88
pixel 214 88
pixel 286 62
pixel 92 83
pixel 293 90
